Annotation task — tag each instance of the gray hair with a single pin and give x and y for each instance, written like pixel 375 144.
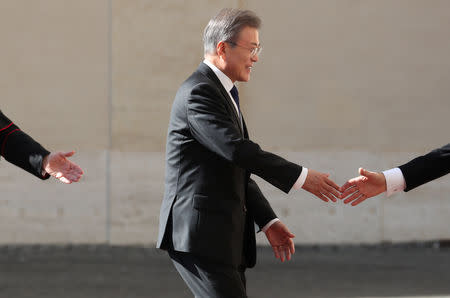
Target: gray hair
pixel 226 26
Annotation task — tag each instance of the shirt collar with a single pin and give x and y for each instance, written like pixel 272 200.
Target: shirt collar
pixel 226 81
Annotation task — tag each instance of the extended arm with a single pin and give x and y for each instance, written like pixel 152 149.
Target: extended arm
pixel 416 172
pixel 21 150
pixel 212 126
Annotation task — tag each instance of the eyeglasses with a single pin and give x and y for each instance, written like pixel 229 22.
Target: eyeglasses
pixel 253 51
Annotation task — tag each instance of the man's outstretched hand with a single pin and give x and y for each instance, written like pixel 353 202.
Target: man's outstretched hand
pixel 281 241
pixel 358 189
pixel 57 165
pixel 321 186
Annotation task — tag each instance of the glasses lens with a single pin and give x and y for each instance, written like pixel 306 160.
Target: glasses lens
pixel 256 51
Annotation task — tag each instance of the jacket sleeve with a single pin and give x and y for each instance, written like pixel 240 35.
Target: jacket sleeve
pixel 20 149
pixel 212 126
pixel 258 205
pixel 427 167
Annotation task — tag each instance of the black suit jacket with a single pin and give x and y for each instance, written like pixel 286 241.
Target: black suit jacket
pixel 427 167
pixel 20 149
pixel 210 203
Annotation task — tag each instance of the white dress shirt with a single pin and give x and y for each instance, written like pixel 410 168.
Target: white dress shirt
pixel 228 85
pixel 395 181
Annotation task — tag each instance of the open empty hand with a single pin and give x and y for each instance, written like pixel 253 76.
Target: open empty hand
pixel 358 189
pixel 281 241
pixel 57 165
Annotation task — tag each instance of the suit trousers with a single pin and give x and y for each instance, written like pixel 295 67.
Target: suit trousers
pixel 207 279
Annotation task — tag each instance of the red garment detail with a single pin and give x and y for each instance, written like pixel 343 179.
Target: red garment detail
pixel 4 141
pixel 6 127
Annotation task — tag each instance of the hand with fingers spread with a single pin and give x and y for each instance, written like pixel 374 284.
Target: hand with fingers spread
pixel 281 241
pixel 358 189
pixel 57 165
pixel 320 185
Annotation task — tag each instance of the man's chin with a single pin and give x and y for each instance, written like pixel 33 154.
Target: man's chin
pixel 245 79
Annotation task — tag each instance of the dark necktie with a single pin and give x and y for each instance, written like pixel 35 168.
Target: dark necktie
pixel 234 92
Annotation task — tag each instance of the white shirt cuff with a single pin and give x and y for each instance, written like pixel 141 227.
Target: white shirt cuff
pixel 267 226
pixel 301 179
pixel 395 181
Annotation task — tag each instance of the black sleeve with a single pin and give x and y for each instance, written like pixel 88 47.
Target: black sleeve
pixel 211 125
pixel 20 149
pixel 427 167
pixel 258 205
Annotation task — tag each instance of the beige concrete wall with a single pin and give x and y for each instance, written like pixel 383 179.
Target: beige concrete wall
pixel 340 84
pixel 369 75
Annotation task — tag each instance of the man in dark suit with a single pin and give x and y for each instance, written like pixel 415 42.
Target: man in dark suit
pixel 416 172
pixel 210 202
pixel 21 150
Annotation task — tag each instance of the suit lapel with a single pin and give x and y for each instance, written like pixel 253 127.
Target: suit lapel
pixel 205 70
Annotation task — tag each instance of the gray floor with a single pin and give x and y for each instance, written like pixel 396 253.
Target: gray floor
pixel 418 270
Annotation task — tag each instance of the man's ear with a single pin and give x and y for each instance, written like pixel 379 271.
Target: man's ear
pixel 221 49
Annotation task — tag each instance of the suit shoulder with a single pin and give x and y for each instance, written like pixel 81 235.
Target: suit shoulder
pixel 195 79
pixel 197 84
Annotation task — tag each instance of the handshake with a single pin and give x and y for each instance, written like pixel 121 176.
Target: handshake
pixel 355 190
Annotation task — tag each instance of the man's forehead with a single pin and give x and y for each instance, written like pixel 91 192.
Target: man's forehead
pixel 249 35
